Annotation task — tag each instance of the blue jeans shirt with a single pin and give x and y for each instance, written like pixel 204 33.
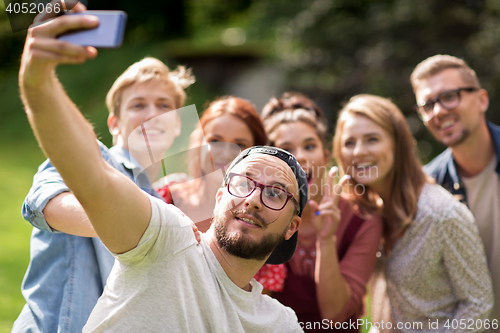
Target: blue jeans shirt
pixel 66 274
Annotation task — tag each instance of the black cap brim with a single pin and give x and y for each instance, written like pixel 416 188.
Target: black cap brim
pixel 284 251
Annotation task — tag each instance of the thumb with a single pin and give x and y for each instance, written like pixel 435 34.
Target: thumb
pixel 314 206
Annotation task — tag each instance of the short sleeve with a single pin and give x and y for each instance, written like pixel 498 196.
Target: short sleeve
pixel 47 184
pixel 169 232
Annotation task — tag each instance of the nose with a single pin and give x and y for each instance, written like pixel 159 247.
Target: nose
pixel 253 200
pixel 300 156
pixel 359 149
pixel 151 112
pixel 228 151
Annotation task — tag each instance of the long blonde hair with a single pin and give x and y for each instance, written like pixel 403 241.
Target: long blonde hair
pixel 406 177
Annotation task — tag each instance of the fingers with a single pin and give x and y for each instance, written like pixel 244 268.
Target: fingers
pixel 337 188
pixel 53 51
pixel 64 24
pixel 325 217
pixel 56 8
pixel 70 5
pixel 51 10
pixel 63 49
pixel 330 224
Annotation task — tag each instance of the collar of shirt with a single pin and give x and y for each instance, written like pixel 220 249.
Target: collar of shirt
pixel 135 171
pixel 451 166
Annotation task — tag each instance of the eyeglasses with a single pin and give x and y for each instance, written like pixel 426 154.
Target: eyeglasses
pixel 273 197
pixel 449 100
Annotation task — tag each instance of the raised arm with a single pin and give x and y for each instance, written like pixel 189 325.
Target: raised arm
pixel 118 210
pixel 332 291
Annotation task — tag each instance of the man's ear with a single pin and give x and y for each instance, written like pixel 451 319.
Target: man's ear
pixel 113 124
pixel 293 227
pixel 219 193
pixel 484 100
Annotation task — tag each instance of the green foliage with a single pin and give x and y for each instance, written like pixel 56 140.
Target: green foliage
pixel 334 49
pixel 19 162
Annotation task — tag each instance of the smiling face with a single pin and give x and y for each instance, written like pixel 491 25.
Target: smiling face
pixel 452 127
pixel 244 227
pixel 227 136
pixel 367 151
pixel 301 140
pixel 146 113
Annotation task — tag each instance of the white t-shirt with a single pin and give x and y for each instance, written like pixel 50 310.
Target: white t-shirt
pixel 483 199
pixel 170 283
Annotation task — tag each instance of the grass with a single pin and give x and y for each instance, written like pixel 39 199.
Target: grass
pixel 19 163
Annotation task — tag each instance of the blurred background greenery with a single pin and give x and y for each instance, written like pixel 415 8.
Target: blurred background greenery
pixel 327 49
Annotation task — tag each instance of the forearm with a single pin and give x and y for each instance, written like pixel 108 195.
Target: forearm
pixel 63 133
pixel 118 210
pixel 69 141
pixel 332 291
pixel 64 213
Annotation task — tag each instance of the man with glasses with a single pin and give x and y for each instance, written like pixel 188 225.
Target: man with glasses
pixel 452 105
pixel 164 280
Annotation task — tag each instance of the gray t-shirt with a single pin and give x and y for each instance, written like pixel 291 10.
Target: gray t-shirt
pixel 170 283
pixel 483 198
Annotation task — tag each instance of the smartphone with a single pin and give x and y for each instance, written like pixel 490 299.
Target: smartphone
pixel 109 33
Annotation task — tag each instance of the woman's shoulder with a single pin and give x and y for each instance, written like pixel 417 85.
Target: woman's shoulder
pixel 368 221
pixel 437 203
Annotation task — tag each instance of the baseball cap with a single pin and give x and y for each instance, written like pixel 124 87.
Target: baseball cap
pixel 284 251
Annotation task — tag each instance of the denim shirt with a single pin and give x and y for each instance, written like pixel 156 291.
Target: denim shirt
pixel 444 171
pixel 66 274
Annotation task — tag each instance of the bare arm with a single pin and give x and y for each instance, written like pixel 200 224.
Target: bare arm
pixel 118 210
pixel 65 213
pixel 332 291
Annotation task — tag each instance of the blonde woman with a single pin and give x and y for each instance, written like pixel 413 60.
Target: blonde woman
pixel 432 263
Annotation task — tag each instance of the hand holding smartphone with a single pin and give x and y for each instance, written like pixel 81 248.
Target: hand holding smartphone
pixel 109 33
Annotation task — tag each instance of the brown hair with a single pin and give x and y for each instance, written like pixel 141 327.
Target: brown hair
pixel 149 69
pixel 438 63
pixel 238 107
pixel 406 177
pixel 293 107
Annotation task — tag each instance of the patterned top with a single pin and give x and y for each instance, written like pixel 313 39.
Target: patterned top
pixel 437 271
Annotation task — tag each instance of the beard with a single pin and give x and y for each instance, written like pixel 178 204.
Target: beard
pixel 241 246
pixel 464 134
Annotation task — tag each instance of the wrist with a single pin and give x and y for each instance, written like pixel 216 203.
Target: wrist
pixel 325 242
pixel 37 79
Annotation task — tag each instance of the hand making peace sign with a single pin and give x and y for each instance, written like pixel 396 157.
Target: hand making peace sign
pixel 326 215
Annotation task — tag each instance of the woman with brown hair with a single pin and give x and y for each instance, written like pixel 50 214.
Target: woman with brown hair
pixel 229 125
pixel 337 241
pixel 432 267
